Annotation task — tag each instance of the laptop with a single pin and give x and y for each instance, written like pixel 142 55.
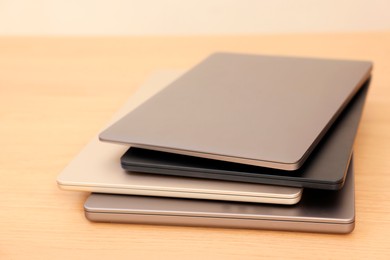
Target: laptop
pixel 97 169
pixel 325 169
pixel 319 211
pixel 227 108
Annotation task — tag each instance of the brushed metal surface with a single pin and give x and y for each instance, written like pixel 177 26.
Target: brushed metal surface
pixel 262 110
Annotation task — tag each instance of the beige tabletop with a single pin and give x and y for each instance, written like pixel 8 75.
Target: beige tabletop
pixel 57 93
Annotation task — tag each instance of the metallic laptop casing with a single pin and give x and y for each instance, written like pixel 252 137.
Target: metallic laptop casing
pixel 318 211
pixel 227 108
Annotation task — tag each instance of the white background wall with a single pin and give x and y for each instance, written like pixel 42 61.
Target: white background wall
pixel 187 17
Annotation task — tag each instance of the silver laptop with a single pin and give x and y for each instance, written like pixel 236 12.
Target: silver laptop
pixel 97 169
pixel 318 211
pixel 260 110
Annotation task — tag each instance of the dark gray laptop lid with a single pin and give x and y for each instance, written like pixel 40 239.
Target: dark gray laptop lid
pixel 260 110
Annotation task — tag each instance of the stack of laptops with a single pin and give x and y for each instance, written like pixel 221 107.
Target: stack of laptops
pixel 240 141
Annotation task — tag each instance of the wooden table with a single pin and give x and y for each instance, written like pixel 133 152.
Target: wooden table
pixel 56 93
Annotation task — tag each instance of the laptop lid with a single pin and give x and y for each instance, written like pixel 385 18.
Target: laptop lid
pixel 266 111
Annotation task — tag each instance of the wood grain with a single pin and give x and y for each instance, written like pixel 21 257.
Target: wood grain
pixel 56 93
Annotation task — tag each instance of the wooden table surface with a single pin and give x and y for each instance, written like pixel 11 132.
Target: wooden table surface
pixel 56 93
